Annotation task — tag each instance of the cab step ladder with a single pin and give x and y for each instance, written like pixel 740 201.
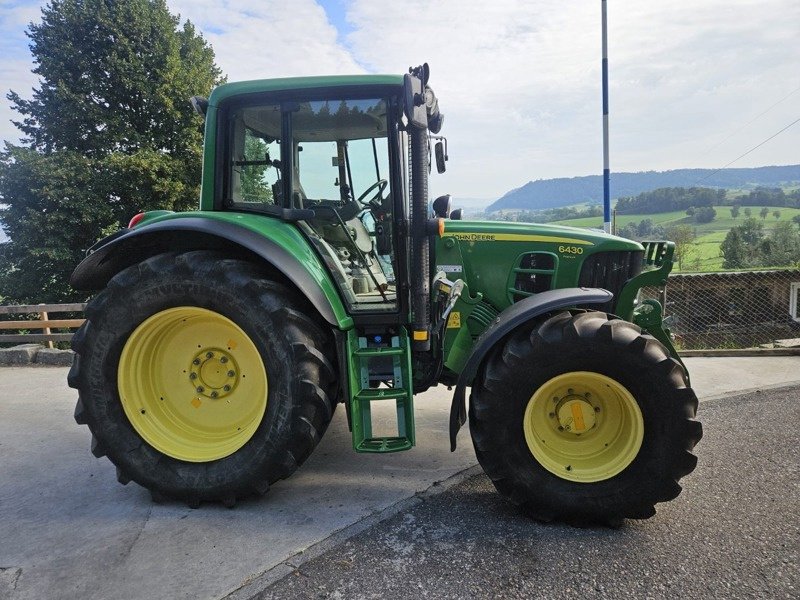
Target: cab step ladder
pixel 380 371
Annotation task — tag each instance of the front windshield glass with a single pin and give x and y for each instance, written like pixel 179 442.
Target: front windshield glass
pixel 342 148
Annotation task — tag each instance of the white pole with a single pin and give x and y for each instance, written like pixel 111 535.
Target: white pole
pixel 606 170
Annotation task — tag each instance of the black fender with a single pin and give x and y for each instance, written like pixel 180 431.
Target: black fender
pixel 517 314
pixel 120 250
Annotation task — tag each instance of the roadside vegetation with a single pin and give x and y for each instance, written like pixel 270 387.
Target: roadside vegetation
pixel 108 132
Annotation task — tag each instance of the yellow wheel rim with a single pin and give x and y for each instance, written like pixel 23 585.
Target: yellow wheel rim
pixel 583 426
pixel 192 384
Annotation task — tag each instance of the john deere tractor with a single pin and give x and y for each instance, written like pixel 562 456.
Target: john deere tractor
pixel 317 272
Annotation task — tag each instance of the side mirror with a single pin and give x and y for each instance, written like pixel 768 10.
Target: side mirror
pixel 457 214
pixel 441 157
pixel 441 206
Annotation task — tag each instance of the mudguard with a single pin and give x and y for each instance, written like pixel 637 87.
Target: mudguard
pixel 292 257
pixel 511 318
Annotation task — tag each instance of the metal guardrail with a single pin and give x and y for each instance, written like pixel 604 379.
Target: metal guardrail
pixel 43 323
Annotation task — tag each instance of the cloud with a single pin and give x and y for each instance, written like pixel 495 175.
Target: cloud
pixel 519 81
pixel 258 40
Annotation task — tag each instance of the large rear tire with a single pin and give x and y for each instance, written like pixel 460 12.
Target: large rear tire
pixel 584 419
pixel 201 379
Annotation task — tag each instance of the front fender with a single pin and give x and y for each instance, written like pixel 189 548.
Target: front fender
pixel 279 244
pixel 514 316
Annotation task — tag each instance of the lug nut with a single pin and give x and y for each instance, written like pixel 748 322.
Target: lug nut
pixel 226 388
pixel 223 359
pixel 552 415
pixel 570 391
pixel 192 375
pixel 209 355
pixel 214 394
pixel 196 361
pixel 200 389
pixel 596 409
pixel 231 373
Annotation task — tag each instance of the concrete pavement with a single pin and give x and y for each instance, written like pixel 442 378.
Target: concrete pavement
pixel 69 530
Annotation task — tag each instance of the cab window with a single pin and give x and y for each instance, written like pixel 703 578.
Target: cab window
pixel 337 164
pixel 255 156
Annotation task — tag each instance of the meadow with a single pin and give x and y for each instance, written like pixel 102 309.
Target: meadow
pixel 704 254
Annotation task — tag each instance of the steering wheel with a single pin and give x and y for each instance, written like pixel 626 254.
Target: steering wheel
pixel 380 185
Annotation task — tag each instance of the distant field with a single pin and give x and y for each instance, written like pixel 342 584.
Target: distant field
pixel 705 253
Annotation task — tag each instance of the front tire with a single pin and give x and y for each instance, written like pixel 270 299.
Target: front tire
pixel 200 378
pixel 584 419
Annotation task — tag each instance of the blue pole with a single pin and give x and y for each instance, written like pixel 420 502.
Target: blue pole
pixel 606 169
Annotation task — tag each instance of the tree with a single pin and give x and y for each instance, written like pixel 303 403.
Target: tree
pixel 53 208
pixel 776 214
pixel 645 228
pixel 705 214
pixel 748 212
pixel 734 250
pixel 752 231
pixel 735 211
pixel 763 212
pixel 108 132
pixel 743 245
pixel 782 247
pixel 683 236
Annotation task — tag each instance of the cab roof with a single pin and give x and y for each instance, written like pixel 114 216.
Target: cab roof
pixel 228 90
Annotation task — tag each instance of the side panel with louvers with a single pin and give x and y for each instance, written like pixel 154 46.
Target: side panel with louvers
pixel 610 271
pixel 534 273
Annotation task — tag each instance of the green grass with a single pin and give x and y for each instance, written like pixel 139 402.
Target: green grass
pixel 705 254
pixel 705 251
pixel 622 220
pixel 723 221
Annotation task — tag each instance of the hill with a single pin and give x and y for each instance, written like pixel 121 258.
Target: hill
pixel 566 191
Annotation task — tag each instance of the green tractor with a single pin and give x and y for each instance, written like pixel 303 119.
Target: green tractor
pixel 316 273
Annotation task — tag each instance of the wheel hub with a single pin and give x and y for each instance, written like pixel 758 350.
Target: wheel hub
pixel 213 373
pixel 575 415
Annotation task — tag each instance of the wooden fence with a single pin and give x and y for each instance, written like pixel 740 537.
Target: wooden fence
pixel 44 323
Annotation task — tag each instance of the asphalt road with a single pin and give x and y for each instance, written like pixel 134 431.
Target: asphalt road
pixel 734 532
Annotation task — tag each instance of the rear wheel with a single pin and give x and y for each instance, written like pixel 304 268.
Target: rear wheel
pixel 200 379
pixel 584 419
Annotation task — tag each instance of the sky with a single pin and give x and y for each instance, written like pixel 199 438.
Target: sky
pixel 693 83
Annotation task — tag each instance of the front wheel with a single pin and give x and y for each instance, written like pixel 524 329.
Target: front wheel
pixel 200 378
pixel 584 419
